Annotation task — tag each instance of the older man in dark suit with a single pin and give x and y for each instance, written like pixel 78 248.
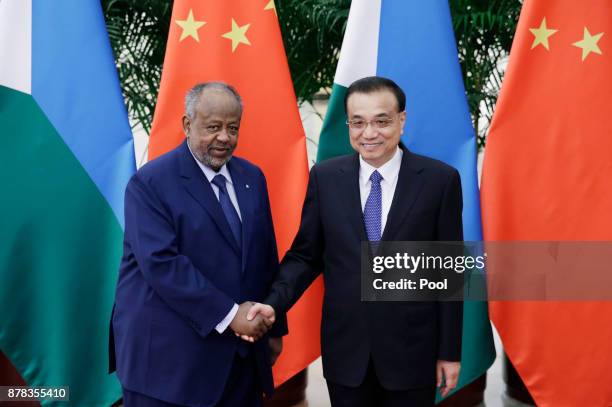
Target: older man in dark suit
pixel 198 241
pixel 375 353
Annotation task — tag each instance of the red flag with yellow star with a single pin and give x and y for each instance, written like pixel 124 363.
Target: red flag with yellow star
pixel 239 42
pixel 547 176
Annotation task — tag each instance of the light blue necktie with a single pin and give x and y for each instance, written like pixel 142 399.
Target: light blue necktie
pixel 372 212
pixel 228 209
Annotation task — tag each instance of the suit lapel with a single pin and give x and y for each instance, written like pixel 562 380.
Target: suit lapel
pixel 409 184
pixel 244 191
pixel 349 184
pixel 199 188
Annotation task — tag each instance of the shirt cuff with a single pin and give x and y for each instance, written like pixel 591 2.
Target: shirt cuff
pixel 222 326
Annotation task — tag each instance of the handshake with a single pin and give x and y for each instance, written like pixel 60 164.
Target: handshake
pixel 252 320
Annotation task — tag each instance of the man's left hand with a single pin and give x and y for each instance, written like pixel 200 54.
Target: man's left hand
pixel 276 347
pixel 447 373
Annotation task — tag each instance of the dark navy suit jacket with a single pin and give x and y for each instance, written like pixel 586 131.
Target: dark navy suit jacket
pixel 180 275
pixel 402 339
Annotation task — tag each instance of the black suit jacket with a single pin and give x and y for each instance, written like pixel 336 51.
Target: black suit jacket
pixel 403 339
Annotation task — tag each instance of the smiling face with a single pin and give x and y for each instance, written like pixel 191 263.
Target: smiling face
pixel 212 132
pixel 378 111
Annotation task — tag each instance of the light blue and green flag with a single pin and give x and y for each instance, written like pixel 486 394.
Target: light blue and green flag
pixel 412 42
pixel 67 154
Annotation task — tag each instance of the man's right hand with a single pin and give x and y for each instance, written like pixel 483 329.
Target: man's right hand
pixel 253 328
pixel 259 311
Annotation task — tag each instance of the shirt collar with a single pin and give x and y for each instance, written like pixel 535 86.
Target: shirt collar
pixel 209 173
pixel 389 170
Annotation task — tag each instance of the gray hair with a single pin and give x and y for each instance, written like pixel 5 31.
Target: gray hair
pixel 193 95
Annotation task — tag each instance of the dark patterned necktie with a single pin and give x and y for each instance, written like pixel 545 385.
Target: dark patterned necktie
pixel 228 208
pixel 372 212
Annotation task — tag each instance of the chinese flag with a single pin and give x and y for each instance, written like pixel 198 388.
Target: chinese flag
pixel 548 176
pixel 239 42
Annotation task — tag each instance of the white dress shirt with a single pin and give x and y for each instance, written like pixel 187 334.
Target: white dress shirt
pixel 209 173
pixel 389 172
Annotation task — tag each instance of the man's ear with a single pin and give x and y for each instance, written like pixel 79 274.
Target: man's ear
pixel 186 125
pixel 402 119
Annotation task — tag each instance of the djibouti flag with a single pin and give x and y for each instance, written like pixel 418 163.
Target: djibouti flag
pixel 412 42
pixel 67 154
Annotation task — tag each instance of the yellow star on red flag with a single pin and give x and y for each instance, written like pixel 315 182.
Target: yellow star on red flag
pixel 237 35
pixel 589 43
pixel 541 35
pixel 270 6
pixel 190 27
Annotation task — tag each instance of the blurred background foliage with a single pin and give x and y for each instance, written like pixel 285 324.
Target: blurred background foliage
pixel 484 30
pixel 138 31
pixel 312 33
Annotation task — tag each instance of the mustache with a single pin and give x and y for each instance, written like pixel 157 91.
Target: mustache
pixel 220 145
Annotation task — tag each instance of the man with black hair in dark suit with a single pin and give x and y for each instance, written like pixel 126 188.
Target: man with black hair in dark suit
pixel 375 353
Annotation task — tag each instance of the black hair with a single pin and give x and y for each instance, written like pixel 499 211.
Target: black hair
pixel 372 84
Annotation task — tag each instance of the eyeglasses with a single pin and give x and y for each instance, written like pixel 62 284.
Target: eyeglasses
pixel 378 123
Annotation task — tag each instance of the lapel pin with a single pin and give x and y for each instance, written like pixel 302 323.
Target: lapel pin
pixel 247 186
